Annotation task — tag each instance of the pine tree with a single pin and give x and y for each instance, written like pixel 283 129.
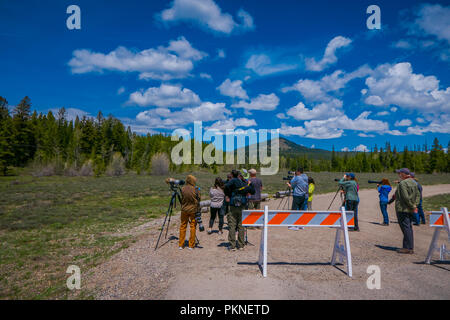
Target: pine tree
pixel 23 139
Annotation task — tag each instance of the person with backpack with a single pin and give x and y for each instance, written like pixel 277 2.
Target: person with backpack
pixel 236 190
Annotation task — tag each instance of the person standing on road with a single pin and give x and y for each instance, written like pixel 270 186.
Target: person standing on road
pixel 255 200
pixel 350 187
pixel 300 185
pixel 217 207
pixel 407 199
pixel 300 195
pixel 190 201
pixel 236 190
pixel 420 215
pixel 311 187
pixel 383 189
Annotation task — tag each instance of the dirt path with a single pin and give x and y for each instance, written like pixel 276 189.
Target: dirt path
pixel 301 269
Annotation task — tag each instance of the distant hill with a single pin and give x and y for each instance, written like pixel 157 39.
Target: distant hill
pixel 290 148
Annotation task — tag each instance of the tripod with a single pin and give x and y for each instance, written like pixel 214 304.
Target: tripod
pixel 284 203
pixel 172 204
pixel 339 189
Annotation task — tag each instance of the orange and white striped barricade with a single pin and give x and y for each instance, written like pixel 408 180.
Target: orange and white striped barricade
pixel 438 220
pixel 340 220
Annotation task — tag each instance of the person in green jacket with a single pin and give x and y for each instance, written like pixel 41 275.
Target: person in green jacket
pixel 350 187
pixel 407 200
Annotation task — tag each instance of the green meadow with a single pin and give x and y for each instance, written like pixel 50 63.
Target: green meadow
pixel 49 223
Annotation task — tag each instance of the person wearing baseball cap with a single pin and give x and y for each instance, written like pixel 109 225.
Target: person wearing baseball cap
pixel 350 186
pixel 407 199
pixel 255 200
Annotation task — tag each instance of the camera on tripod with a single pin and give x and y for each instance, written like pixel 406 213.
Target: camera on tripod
pixel 290 176
pixel 174 182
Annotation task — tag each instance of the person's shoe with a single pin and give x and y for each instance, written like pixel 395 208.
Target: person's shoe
pixel 189 248
pixel 385 224
pixel 405 251
pixel 220 232
pixel 240 248
pixel 294 228
pixel 209 231
pixel 416 224
pixel 180 248
pixel 232 249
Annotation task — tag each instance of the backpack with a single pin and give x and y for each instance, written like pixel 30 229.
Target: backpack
pixel 239 196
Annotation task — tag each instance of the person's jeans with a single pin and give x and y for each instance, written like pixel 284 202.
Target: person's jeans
pixel 419 216
pixel 299 202
pixel 352 205
pixel 384 212
pixel 404 220
pixel 214 213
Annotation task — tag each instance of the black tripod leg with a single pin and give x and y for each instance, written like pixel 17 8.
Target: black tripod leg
pixel 162 228
pixel 334 198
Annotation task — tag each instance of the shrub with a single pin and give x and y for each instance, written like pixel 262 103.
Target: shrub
pixel 160 164
pixel 87 169
pixel 117 165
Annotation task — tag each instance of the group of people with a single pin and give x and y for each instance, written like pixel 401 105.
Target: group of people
pixel 229 197
pixel 237 193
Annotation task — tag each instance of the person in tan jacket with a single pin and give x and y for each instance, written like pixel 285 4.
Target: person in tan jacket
pixel 190 200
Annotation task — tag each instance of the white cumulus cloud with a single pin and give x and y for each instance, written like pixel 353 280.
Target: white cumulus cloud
pixel 264 102
pixel 208 15
pixel 232 89
pixel 166 95
pixel 397 84
pixel 162 63
pixel 165 118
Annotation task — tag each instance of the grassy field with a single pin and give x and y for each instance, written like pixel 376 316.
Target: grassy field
pixel 49 223
pixel 436 202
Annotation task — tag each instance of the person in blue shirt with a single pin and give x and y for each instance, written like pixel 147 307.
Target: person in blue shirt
pixel 383 189
pixel 300 186
pixel 300 195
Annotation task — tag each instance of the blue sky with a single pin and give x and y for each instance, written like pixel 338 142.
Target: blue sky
pixel 311 68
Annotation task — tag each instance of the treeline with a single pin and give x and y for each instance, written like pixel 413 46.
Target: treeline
pixel 421 160
pixel 88 145
pixel 53 144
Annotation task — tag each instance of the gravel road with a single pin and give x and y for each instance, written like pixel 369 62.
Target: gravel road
pixel 299 263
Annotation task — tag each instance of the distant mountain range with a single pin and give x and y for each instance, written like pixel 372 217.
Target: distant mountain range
pixel 292 149
pixel 289 148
